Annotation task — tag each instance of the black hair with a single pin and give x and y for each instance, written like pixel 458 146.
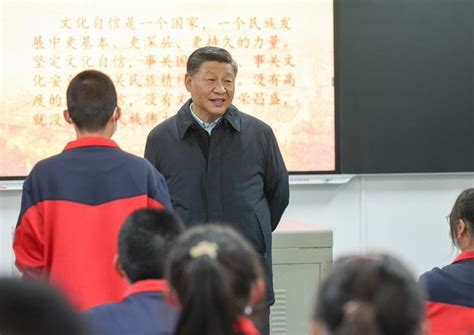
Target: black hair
pixel 370 295
pixel 463 209
pixel 212 270
pixel 209 54
pixel 30 307
pixel 91 100
pixel 144 242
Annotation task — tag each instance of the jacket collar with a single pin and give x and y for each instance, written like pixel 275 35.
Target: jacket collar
pixel 466 255
pixel 91 142
pixel 184 118
pixel 245 326
pixel 148 285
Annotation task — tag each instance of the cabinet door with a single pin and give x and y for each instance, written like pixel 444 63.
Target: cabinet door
pixel 297 276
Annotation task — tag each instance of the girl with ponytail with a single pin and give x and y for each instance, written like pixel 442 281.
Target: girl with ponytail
pixel 369 295
pixel 215 278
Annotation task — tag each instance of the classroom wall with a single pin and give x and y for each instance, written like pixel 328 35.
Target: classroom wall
pixel 402 214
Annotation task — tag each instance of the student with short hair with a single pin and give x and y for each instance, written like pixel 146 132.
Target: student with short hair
pixel 215 278
pixel 143 243
pixel 369 295
pixel 450 303
pixel 74 203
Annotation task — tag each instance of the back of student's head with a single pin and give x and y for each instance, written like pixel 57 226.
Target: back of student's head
pixel 213 270
pixel 370 295
pixel 144 242
pixel 463 209
pixel 34 308
pixel 91 100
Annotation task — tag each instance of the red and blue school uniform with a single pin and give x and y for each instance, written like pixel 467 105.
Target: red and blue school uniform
pixel 73 205
pixel 450 303
pixel 143 311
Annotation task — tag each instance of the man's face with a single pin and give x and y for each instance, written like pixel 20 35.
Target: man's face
pixel 212 89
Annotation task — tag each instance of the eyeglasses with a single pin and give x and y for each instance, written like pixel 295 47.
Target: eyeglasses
pixel 447 219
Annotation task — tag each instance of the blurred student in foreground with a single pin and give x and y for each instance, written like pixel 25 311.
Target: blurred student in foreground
pixel 369 295
pixel 30 307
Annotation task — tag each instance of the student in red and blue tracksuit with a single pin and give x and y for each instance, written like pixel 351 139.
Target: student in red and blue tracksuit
pixel 144 241
pixel 74 203
pixel 450 305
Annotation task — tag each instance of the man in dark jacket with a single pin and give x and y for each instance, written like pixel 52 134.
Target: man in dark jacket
pixel 221 165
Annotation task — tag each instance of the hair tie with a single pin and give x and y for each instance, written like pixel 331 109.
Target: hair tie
pixel 204 248
pixel 248 310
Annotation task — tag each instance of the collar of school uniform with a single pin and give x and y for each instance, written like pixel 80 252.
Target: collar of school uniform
pixel 245 326
pixel 91 142
pixel 466 255
pixel 148 285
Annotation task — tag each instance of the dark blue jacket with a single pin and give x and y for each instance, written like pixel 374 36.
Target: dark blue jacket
pixel 236 175
pixel 143 311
